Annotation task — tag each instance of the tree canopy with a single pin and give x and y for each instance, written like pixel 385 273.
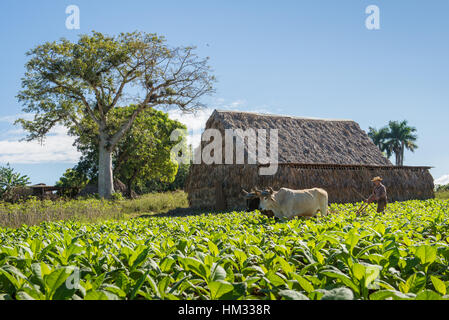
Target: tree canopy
pixel 9 179
pixel 394 139
pixel 143 154
pixel 68 82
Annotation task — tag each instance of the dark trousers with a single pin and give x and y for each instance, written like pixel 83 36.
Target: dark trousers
pixel 381 205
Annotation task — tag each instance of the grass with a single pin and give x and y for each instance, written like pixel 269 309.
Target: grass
pixel 155 203
pixel 33 212
pixel 442 195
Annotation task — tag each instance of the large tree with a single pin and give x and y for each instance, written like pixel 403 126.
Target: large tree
pixel 66 82
pixel 143 154
pixel 395 138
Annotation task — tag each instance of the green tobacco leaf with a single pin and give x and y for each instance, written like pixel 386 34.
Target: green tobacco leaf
pixel 403 296
pixel 274 278
pixel 14 271
pixel 303 282
pixel 138 284
pixel 213 248
pixel 96 295
pixel 40 269
pixel 98 281
pixel 426 254
pixel 22 295
pixel 338 294
pixel 114 289
pixel 177 284
pixel 253 269
pixel 319 257
pixel 56 279
pixel 8 281
pixel 374 258
pixel 352 240
pixel 140 258
pixel 240 289
pixel 285 266
pixel 219 288
pixel 241 256
pixel 381 295
pixel 163 285
pixel 45 250
pixel 196 266
pixel 409 284
pixel 292 295
pixel 5 296
pixel 166 264
pixel 428 295
pixel 439 285
pixel 358 270
pixel 63 293
pixel 342 277
pixel 396 295
pixel 218 273
pixel 371 274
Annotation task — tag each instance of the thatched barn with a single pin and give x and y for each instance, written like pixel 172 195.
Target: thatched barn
pixel 336 155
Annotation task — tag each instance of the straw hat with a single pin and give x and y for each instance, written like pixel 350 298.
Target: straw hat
pixel 376 179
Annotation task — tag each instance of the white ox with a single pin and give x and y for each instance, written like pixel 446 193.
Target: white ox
pixel 287 203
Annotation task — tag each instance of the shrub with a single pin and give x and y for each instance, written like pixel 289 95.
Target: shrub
pixel 10 180
pixel 74 180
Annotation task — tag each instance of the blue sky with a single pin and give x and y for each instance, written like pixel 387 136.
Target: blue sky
pixel 305 58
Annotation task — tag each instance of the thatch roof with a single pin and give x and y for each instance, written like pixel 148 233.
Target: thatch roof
pixel 307 140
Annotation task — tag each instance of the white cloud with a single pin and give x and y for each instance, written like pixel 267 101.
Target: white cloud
pixel 195 123
pixel 57 147
pixel 443 180
pixel 11 119
pixel 8 119
pixel 233 105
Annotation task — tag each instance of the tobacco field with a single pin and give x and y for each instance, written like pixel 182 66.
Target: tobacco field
pixel 400 254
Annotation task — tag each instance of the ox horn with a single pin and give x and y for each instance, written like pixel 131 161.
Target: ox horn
pixel 248 195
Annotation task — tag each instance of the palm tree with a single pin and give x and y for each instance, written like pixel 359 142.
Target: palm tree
pixel 401 137
pixel 379 137
pixel 395 138
pixel 10 179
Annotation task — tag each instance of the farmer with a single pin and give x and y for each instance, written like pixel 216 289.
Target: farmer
pixel 379 194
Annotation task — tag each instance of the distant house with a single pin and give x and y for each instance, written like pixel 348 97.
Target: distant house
pixel 336 155
pixel 42 190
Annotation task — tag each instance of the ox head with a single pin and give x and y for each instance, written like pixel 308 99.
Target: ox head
pixel 265 197
pixel 252 200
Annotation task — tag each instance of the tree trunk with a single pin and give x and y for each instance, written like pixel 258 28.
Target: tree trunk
pixel 129 187
pixel 105 176
pixel 402 153
pixel 130 184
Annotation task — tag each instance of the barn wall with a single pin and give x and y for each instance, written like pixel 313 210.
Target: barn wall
pixel 343 184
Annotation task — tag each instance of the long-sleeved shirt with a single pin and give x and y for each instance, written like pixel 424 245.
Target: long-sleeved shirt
pixel 379 192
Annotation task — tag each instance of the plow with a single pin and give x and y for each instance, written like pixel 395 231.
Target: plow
pixel 364 205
